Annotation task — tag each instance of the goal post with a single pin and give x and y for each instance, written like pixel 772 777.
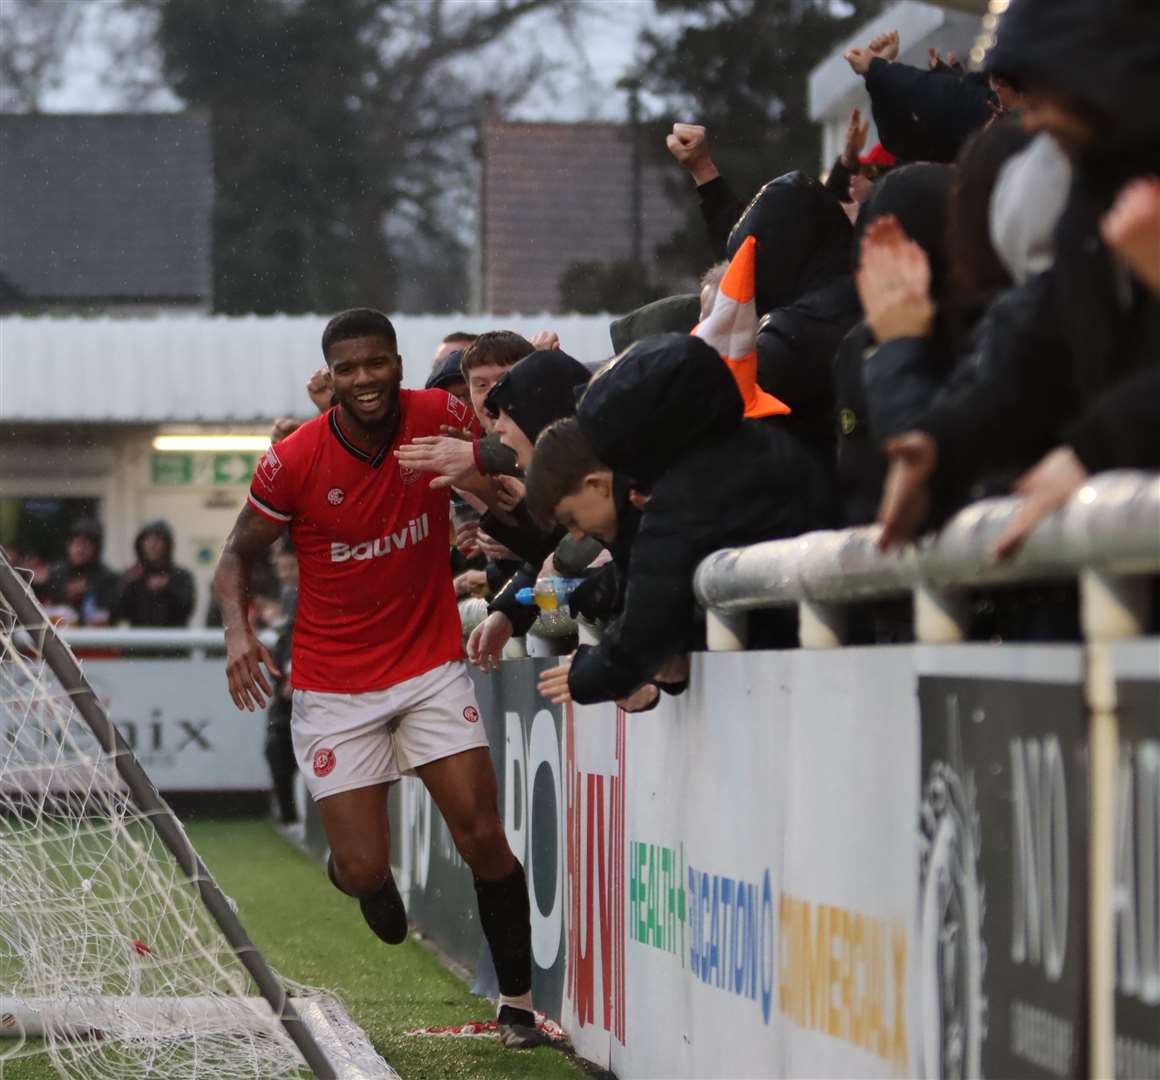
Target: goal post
pixel 111 925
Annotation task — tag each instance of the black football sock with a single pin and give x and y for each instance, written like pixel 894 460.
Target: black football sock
pixel 506 917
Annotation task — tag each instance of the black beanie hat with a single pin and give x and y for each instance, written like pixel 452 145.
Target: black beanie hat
pixel 540 388
pixel 446 373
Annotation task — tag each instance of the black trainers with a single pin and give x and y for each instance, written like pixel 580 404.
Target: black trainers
pixel 518 1031
pixel 384 912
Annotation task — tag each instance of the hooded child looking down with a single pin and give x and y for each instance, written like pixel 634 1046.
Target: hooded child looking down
pixel 666 417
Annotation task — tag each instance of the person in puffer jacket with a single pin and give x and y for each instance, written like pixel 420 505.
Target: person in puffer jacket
pixel 666 418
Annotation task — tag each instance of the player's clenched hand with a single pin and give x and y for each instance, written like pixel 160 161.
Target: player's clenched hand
pixel 554 683
pixel 440 454
pixel 485 645
pixel 245 655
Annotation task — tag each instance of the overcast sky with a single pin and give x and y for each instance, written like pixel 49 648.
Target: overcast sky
pixel 582 85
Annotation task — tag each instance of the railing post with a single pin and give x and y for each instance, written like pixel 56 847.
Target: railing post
pixel 1112 608
pixel 726 631
pixel 940 616
pixel 515 649
pixel 821 626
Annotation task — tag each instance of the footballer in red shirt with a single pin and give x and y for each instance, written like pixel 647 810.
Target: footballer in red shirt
pixel 379 683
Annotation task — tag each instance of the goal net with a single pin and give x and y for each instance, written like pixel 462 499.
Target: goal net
pixel 119 956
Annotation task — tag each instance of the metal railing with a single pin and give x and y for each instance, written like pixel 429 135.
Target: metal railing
pixel 1110 528
pixel 133 639
pixel 543 639
pixel 1107 536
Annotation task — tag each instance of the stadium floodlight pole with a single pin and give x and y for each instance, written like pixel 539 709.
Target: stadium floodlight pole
pixel 60 659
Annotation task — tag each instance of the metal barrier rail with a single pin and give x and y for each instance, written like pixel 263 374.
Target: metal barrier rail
pixel 130 640
pixel 550 628
pixel 1111 527
pixel 1107 536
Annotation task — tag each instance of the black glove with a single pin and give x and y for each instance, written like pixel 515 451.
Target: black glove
pixel 521 616
pixel 598 597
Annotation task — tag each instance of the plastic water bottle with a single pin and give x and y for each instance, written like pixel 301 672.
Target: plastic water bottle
pixel 549 593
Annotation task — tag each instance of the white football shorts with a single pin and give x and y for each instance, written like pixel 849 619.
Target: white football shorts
pixel 347 741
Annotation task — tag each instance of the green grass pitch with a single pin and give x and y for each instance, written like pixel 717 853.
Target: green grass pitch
pixel 311 933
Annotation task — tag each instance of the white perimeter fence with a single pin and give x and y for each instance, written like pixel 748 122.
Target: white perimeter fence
pixel 938 859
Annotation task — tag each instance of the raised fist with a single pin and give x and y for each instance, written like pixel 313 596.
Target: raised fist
pixel 885 45
pixel 858 59
pixel 689 144
pixel 546 339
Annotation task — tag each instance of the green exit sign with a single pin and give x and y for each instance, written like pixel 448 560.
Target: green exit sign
pixel 172 470
pixel 219 469
pixel 234 468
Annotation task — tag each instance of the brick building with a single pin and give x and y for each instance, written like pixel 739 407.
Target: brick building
pixel 556 194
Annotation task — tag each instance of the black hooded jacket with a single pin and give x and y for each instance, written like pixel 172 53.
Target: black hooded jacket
pixel 155 593
pixel 534 392
pixel 925 115
pixel 805 297
pixel 667 414
pixel 1080 360
pixel 97 583
pixel 881 392
pixel 538 389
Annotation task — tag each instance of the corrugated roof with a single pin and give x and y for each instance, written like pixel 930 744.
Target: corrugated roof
pixel 556 194
pixel 189 369
pixel 106 207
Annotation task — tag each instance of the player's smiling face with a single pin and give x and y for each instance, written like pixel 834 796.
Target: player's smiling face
pixel 366 373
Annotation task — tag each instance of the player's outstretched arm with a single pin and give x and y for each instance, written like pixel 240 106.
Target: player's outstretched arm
pixel 251 536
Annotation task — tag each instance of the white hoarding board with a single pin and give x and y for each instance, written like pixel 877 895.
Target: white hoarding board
pixel 707 777
pixel 767 859
pixel 847 908
pixel 178 718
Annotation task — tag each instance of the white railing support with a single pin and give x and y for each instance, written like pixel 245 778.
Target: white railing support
pixel 941 616
pixel 1112 608
pixel 726 632
pixel 515 649
pixel 821 626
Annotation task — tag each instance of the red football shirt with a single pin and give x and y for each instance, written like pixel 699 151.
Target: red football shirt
pixel 375 600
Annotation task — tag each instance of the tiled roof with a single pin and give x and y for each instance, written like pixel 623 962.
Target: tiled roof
pixel 556 194
pixel 106 207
